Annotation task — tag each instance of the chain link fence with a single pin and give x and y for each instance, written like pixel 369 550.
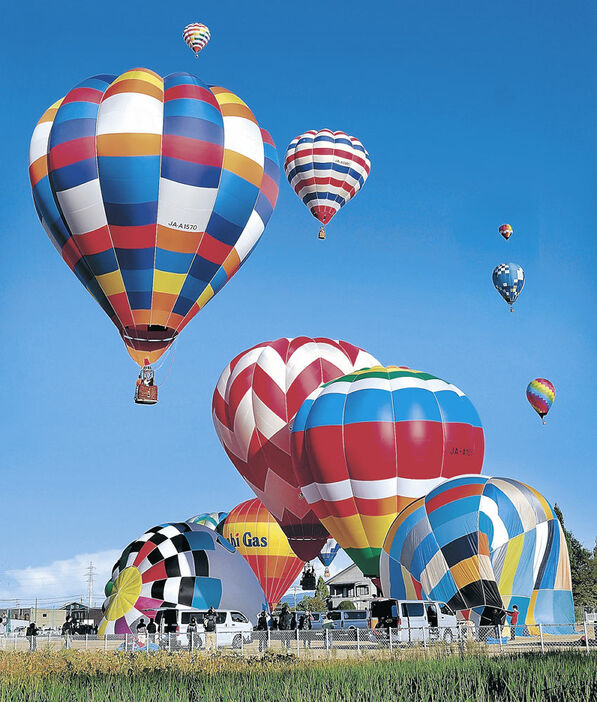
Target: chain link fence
pixel 463 639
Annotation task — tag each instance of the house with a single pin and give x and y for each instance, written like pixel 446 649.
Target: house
pixel 351 584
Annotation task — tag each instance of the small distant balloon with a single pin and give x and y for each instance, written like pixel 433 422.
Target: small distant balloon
pixel 506 231
pixel 196 35
pixel 508 280
pixel 541 394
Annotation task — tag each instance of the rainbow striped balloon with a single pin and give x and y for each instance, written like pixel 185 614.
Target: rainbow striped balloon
pixel 541 394
pixel 196 35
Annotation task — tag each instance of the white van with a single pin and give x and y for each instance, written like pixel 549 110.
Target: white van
pixel 342 618
pixel 415 620
pixel 232 628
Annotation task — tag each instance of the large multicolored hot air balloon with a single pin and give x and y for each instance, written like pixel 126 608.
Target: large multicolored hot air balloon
pixel 327 555
pixel 178 566
pixel 508 280
pixel 506 231
pixel 326 169
pixel 211 520
pixel 367 444
pixel 254 405
pixel 154 190
pixel 196 36
pixel 481 543
pixel 253 531
pixel 541 394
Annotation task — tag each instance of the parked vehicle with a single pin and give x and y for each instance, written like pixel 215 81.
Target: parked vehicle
pixel 415 620
pixel 232 628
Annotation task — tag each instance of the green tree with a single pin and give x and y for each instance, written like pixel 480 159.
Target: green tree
pixel 318 602
pixel 583 569
pixel 346 604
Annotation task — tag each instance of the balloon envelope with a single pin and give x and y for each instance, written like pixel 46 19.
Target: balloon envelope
pixel 254 404
pixel 178 566
pixel 326 169
pixel 196 36
pixel 211 520
pixel 477 542
pixel 258 537
pixel 506 231
pixel 508 280
pixel 329 552
pixel 367 444
pixel 154 191
pixel 541 394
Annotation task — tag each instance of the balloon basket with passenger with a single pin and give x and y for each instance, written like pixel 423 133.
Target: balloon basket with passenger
pixel 146 392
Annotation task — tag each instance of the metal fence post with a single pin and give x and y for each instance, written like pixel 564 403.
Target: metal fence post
pixel 358 643
pixel 14 641
pixel 500 637
pixel 298 650
pixel 86 641
pixel 169 642
pixel 587 635
pixel 105 642
pixel 242 644
pixel 390 637
pixel 269 639
pixel 541 637
pixel 425 639
pixel 327 643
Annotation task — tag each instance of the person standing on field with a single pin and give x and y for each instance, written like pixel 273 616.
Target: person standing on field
pixel 211 642
pixel 513 614
pixel 31 634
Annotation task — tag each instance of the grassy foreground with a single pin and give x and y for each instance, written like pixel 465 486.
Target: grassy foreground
pixel 71 676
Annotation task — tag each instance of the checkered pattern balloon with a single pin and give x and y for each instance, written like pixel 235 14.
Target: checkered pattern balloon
pixel 508 280
pixel 178 566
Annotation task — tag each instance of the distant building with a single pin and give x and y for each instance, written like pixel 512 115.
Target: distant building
pixel 43 618
pixel 351 584
pixel 80 612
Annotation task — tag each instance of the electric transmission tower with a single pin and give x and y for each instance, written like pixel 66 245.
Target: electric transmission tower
pixel 90 570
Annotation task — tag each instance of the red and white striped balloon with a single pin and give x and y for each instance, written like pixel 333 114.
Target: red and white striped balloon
pixel 196 35
pixel 254 405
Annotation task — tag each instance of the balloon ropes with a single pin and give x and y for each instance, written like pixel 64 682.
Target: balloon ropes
pixel 196 36
pixel 252 530
pixel 508 280
pixel 541 394
pixel 367 444
pixel 326 169
pixel 154 191
pixel 254 404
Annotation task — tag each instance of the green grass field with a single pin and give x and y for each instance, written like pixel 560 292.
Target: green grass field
pixel 79 676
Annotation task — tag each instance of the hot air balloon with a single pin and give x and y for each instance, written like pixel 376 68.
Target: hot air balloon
pixel 327 555
pixel 253 531
pixel 541 394
pixel 154 191
pixel 326 169
pixel 211 520
pixel 254 404
pixel 508 280
pixel 367 444
pixel 178 566
pixel 481 544
pixel 196 36
pixel 506 231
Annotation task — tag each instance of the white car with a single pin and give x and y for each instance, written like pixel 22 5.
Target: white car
pixel 415 620
pixel 232 627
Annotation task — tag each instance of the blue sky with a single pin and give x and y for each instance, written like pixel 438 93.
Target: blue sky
pixel 474 114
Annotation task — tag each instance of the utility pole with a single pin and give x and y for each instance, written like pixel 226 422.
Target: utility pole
pixel 90 574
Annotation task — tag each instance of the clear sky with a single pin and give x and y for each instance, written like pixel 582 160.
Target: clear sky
pixel 474 114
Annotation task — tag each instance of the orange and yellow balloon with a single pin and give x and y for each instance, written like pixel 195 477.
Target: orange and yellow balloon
pixel 258 537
